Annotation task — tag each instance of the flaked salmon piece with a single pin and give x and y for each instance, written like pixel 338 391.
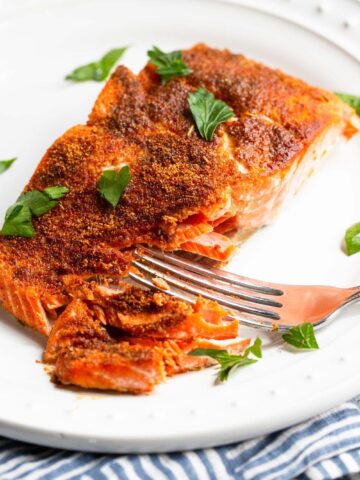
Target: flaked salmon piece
pixel 211 311
pixel 132 367
pixel 225 217
pixel 258 159
pixel 228 225
pixel 119 367
pixel 52 303
pixel 189 231
pixel 190 326
pixel 196 226
pixel 138 312
pixel 212 245
pixel 77 327
pixel 85 353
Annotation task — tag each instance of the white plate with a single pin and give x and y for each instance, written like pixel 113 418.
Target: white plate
pixel 303 245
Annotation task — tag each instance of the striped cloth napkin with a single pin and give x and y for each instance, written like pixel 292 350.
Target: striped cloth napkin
pixel 326 447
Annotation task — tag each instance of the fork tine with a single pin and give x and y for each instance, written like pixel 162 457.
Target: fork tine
pixel 222 299
pixel 215 273
pixel 244 320
pixel 204 282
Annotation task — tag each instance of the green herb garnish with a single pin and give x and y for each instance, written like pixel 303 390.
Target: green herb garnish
pixel 5 164
pixel 112 184
pixel 302 336
pixel 18 217
pixel 227 361
pixel 351 100
pixel 55 193
pixel 208 112
pixel 352 239
pixel 38 202
pixel 168 65
pixel 18 222
pixel 97 71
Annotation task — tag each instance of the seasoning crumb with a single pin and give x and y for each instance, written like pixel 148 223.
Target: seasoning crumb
pixel 160 299
pixel 275 327
pixel 160 283
pixel 191 129
pixel 49 369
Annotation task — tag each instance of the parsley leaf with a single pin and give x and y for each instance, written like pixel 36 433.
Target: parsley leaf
pixel 227 361
pixel 352 239
pixel 18 222
pixel 302 336
pixel 168 65
pixel 112 184
pixel 55 193
pixel 18 217
pixel 351 100
pixel 5 164
pixel 255 348
pixel 38 202
pixel 208 112
pixel 97 71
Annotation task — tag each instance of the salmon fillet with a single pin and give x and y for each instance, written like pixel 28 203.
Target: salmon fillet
pixel 185 193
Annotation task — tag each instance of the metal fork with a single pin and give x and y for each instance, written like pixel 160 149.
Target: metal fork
pixel 264 305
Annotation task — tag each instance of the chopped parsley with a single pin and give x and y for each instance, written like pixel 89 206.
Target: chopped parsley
pixel 18 217
pixel 5 164
pixel 208 112
pixel 112 184
pixel 168 65
pixel 229 362
pixel 351 100
pixel 18 222
pixel 352 239
pixel 55 193
pixel 97 71
pixel 302 337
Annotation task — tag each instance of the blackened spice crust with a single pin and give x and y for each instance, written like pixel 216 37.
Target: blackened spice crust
pixel 175 173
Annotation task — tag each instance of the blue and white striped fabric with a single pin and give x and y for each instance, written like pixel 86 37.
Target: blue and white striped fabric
pixel 324 448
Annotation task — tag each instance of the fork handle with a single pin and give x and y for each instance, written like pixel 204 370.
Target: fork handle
pixel 355 293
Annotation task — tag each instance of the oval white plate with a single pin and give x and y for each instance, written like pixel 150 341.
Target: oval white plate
pixel 303 245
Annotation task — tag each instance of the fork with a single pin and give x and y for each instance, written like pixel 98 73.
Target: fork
pixel 254 303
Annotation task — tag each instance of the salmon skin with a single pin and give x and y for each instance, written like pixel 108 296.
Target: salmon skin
pixel 149 338
pixel 185 193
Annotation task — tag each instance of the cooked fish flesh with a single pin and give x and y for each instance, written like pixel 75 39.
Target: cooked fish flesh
pixel 152 336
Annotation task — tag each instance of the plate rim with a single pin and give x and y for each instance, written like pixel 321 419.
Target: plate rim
pixel 26 433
